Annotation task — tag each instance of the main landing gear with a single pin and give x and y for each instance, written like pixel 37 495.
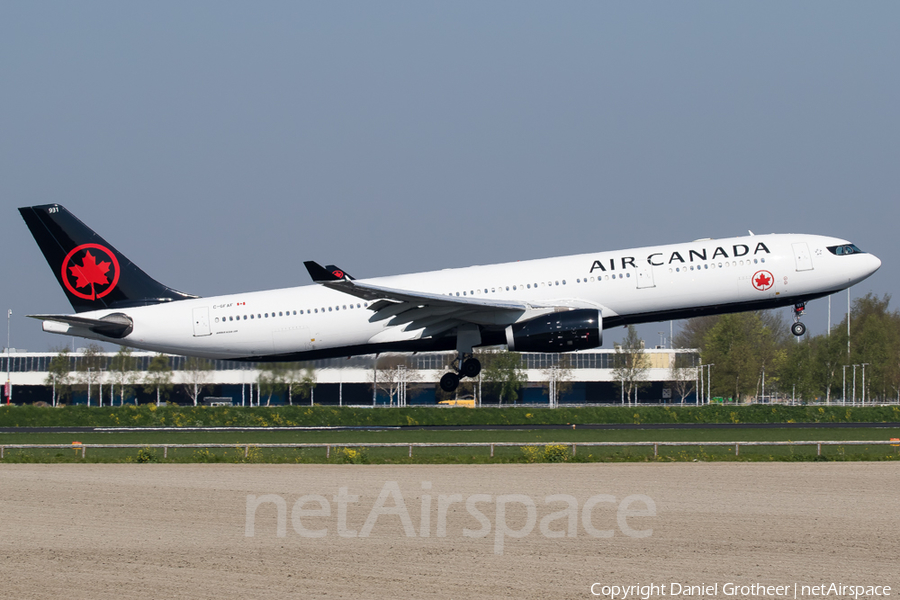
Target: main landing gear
pixel 466 366
pixel 798 328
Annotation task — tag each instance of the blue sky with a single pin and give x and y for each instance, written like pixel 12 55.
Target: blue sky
pixel 219 145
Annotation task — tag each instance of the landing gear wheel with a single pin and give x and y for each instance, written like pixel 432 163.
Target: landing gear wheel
pixel 798 328
pixel 449 382
pixel 471 367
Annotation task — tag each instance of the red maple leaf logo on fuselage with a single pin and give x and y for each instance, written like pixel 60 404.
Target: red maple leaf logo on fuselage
pixel 763 280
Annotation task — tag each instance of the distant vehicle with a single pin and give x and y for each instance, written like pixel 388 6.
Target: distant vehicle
pixel 218 401
pixel 468 402
pixel 546 305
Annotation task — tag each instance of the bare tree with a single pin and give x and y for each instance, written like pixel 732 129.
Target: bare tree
pixel 59 375
pixel 632 364
pixel 684 375
pixel 393 376
pixel 299 378
pixel 196 376
pixel 89 369
pixel 559 378
pixel 122 367
pixel 159 377
pixel 272 380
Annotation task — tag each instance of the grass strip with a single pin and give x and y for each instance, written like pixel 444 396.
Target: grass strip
pixel 148 415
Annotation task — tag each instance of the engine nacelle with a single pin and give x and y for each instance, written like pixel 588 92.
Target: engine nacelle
pixel 580 329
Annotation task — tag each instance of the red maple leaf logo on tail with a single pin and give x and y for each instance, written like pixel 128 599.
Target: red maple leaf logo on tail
pixel 90 273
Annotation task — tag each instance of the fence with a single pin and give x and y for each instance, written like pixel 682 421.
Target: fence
pixel 574 446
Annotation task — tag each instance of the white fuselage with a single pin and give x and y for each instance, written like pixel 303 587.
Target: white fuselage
pixel 627 286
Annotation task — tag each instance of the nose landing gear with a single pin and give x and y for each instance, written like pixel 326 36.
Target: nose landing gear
pixel 798 328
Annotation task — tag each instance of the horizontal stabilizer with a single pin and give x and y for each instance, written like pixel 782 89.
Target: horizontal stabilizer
pixel 116 325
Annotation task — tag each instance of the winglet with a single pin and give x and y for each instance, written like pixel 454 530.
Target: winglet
pixel 339 272
pixel 322 274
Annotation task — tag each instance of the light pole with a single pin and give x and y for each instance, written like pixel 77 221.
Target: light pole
pixel 89 387
pixel 764 385
pixel 848 322
pixel 864 382
pixel 699 384
pixel 709 382
pixel 844 385
pixel 8 382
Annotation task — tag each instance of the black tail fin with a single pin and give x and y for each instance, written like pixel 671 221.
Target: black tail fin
pixel 92 273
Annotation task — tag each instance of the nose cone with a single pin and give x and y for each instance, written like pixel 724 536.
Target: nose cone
pixel 875 263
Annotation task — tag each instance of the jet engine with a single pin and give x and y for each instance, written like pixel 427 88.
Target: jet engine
pixel 557 332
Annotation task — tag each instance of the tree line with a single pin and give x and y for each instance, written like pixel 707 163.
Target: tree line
pixel 753 354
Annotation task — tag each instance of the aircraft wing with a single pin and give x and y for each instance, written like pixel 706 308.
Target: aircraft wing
pixel 433 312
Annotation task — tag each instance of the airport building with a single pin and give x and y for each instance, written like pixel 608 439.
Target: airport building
pixel 586 377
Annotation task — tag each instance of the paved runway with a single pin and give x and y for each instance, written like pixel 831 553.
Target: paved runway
pixel 180 531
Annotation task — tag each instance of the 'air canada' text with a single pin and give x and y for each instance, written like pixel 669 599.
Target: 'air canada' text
pixel 659 259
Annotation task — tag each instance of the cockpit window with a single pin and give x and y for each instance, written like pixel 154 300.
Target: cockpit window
pixel 845 250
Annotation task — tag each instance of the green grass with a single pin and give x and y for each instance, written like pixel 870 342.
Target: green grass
pixel 318 416
pixel 523 438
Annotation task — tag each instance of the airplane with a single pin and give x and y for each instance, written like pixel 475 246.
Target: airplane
pixel 545 305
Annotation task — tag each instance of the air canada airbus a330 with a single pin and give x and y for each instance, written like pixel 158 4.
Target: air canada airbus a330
pixel 545 305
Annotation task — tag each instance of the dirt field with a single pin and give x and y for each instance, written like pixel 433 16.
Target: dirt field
pixel 180 531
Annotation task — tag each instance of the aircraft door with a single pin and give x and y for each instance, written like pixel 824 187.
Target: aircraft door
pixel 644 276
pixel 201 322
pixel 802 258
